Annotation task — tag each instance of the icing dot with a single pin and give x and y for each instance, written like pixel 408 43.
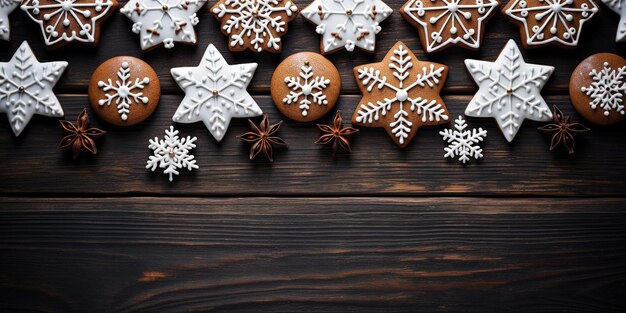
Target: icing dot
pixel 402 95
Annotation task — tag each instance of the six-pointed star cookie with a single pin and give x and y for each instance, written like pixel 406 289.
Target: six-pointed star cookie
pixel 26 88
pixel 400 94
pixel 163 21
pixel 544 22
pixel 449 22
pixel 65 21
pixel 6 7
pixel 215 92
pixel 349 23
pixel 509 90
pixel 619 7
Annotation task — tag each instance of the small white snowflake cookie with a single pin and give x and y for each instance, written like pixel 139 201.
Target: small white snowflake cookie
pixel 619 7
pixel 172 153
pixel 163 21
pixel 254 24
pixel 462 142
pixel 215 92
pixel 26 88
pixel 509 90
pixel 6 7
pixel 347 23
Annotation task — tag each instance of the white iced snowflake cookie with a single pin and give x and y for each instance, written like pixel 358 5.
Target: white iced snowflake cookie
pixel 163 21
pixel 509 90
pixel 619 7
pixel 6 7
pixel 26 88
pixel 215 92
pixel 172 153
pixel 462 142
pixel 349 23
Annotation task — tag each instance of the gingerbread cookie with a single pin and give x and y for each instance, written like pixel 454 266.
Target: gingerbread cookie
pixel 124 91
pixel 305 86
pixel 163 21
pixel 349 23
pixel 544 22
pixel 255 24
pixel 446 23
pixel 619 7
pixel 65 21
pixel 400 94
pixel 597 88
pixel 6 7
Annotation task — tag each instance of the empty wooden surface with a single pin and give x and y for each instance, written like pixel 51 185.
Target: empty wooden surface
pixel 381 229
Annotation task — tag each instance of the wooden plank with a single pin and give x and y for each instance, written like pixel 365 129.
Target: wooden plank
pixel 117 39
pixel 298 254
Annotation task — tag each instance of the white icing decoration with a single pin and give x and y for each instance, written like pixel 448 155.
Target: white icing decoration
pixel 6 7
pixel 65 13
pixel 163 21
pixel 509 90
pixel 309 87
pixel 457 17
pixel 607 89
pixel 463 143
pixel 401 64
pixel 255 18
pixel 215 92
pixel 554 15
pixel 619 7
pixel 172 153
pixel 26 88
pixel 347 23
pixel 124 91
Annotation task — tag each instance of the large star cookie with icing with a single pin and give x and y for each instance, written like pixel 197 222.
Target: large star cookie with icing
pixel 449 22
pixel 6 7
pixel 255 24
pixel 26 88
pixel 65 21
pixel 215 92
pixel 349 23
pixel 544 22
pixel 509 90
pixel 163 21
pixel 400 94
pixel 619 7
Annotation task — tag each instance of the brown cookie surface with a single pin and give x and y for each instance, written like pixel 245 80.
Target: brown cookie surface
pixel 597 88
pixel 124 91
pixel 305 86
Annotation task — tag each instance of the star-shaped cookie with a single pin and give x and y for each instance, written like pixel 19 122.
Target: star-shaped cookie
pixel 509 90
pixel 619 7
pixel 215 92
pixel 400 94
pixel 27 88
pixel 6 7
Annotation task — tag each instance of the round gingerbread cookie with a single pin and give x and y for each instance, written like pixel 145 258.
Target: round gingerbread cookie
pixel 305 86
pixel 124 91
pixel 597 88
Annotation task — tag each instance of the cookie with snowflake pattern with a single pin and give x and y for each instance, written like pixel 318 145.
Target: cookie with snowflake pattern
pixel 124 91
pixel 67 21
pixel 347 24
pixel 597 88
pixel 6 7
pixel 545 22
pixel 400 94
pixel 619 7
pixel 445 23
pixel 254 24
pixel 163 21
pixel 305 86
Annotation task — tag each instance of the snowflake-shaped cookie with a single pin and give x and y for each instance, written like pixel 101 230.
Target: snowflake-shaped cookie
pixel 163 21
pixel 124 91
pixel 619 7
pixel 6 7
pixel 449 22
pixel 463 143
pixel 255 24
pixel 306 90
pixel 64 21
pixel 26 88
pixel 347 23
pixel 172 153
pixel 607 89
pixel 509 90
pixel 400 94
pixel 215 92
pixel 545 22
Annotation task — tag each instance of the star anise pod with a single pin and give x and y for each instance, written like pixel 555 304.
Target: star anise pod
pixel 562 130
pixel 80 135
pixel 336 135
pixel 263 138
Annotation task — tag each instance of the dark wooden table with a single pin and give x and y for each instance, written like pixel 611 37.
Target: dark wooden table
pixel 382 229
